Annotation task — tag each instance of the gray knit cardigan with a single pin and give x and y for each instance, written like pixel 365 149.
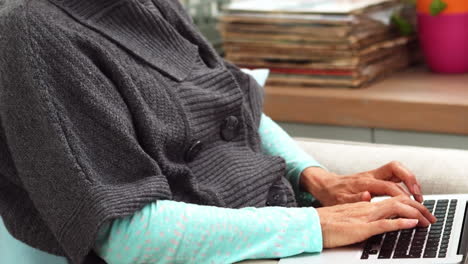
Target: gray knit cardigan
pixel 108 105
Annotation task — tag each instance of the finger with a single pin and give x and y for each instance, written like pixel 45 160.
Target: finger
pixel 395 180
pixel 394 207
pixel 389 225
pixel 404 190
pixel 427 214
pixel 379 187
pixel 410 181
pixel 358 197
pixel 366 196
pixel 396 169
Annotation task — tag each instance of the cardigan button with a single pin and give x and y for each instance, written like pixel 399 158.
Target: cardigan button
pixel 276 199
pixel 193 151
pixel 229 129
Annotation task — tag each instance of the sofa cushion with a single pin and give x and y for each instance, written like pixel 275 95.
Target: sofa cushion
pixel 440 171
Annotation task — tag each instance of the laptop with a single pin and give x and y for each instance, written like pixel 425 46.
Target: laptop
pixel 444 242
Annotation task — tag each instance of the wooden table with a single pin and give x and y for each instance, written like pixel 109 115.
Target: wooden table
pixel 414 100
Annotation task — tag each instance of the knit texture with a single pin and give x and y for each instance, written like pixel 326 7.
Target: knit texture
pixel 142 242
pixel 100 102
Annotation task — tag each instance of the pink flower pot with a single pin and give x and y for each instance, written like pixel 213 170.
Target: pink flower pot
pixel 444 39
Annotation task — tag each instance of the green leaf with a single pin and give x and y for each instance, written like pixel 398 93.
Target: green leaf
pixel 403 25
pixel 437 7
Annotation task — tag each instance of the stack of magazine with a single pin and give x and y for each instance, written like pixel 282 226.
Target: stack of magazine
pixel 338 43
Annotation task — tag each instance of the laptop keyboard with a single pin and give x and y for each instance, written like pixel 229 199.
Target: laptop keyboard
pixel 428 242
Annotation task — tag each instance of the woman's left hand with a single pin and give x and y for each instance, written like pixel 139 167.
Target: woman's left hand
pixel 332 189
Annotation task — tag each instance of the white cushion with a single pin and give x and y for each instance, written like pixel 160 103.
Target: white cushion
pixel 260 75
pixel 440 171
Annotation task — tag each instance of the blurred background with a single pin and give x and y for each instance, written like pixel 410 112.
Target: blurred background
pixel 382 71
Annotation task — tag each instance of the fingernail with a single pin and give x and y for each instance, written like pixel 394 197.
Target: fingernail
pixel 410 223
pixel 417 190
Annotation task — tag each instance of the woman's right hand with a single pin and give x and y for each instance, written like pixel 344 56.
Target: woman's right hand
pixel 352 223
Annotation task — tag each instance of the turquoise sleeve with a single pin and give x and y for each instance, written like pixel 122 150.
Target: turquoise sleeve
pixel 276 142
pixel 176 232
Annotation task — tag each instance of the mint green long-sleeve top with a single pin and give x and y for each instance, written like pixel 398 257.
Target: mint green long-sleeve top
pixel 177 232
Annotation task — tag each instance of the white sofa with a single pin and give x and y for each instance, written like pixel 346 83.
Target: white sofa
pixel 439 170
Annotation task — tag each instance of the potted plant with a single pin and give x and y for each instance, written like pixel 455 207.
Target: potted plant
pixel 443 33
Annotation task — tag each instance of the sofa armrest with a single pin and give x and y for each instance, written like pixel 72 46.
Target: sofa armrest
pixel 440 171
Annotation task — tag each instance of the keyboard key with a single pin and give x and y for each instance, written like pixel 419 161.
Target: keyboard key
pixel 432 247
pixel 368 246
pixel 417 245
pixel 419 237
pixel 386 255
pixel 375 240
pixel 429 254
pixel 397 256
pixel 414 254
pixel 417 248
pixel 432 244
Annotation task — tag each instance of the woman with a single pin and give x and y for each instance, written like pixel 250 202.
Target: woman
pixel 123 134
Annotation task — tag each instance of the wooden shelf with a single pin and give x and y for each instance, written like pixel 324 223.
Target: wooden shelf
pixel 414 100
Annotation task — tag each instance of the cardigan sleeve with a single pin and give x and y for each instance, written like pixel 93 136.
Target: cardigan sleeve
pixel 71 138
